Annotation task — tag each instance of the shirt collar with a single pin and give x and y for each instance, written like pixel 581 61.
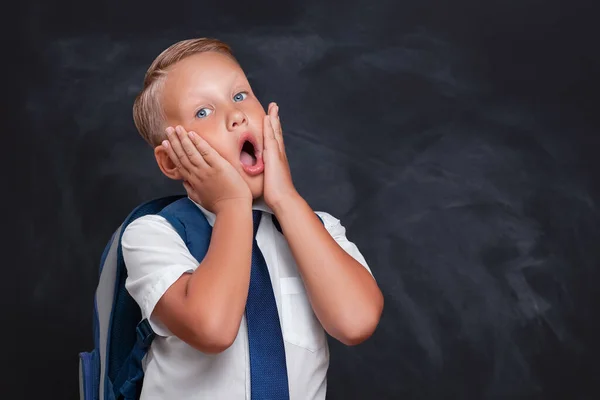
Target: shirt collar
pixel 258 204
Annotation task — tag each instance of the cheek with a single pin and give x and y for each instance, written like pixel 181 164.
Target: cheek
pixel 227 148
pixel 209 131
pixel 255 112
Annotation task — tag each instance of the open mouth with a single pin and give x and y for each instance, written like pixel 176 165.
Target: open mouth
pixel 248 154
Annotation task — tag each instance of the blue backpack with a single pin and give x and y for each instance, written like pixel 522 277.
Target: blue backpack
pixel 113 369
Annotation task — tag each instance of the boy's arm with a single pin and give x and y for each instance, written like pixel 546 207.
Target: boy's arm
pixel 205 308
pixel 342 292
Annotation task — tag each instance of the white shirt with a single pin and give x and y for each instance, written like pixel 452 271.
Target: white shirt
pixel 156 257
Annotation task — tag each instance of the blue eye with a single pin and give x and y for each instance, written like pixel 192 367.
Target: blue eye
pixel 203 112
pixel 240 96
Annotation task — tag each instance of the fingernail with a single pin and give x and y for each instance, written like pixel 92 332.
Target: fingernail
pixel 191 135
pixel 170 130
pixel 165 144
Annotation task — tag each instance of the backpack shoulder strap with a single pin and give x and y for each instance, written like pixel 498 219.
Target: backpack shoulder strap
pixel 191 224
pixel 122 370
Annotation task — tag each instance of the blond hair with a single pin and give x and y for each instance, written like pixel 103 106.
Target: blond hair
pixel 148 114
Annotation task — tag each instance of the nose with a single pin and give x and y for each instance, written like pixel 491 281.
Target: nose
pixel 236 118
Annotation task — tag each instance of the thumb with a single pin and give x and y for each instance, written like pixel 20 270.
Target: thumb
pixel 190 191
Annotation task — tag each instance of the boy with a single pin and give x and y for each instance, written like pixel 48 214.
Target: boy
pixel 208 130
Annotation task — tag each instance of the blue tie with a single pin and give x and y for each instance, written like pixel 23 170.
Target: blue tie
pixel 268 372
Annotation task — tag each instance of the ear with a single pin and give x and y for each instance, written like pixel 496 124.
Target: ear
pixel 166 165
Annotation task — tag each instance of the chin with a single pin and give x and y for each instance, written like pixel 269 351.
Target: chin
pixel 256 186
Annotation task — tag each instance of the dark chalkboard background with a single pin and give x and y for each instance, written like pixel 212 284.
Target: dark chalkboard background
pixel 457 141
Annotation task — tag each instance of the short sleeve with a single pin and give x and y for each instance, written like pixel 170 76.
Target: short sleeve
pixel 338 233
pixel 155 257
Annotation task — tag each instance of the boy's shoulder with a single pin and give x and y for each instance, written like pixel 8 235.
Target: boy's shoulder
pixel 146 222
pixel 177 207
pixel 148 228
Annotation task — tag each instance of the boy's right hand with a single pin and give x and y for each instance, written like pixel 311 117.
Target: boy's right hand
pixel 209 179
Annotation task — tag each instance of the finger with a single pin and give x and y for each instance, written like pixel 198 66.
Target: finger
pixel 169 149
pixel 276 136
pixel 191 192
pixel 277 131
pixel 276 128
pixel 276 123
pixel 175 142
pixel 209 155
pixel 193 154
pixel 168 146
pixel 269 135
pixel 188 188
pixel 271 143
pixel 272 109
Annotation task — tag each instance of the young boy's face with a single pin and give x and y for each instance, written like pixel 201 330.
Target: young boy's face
pixel 208 93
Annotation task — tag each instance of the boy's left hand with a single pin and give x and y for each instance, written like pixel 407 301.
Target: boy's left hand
pixel 278 185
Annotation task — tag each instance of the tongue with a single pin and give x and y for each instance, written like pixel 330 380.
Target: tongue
pixel 246 159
